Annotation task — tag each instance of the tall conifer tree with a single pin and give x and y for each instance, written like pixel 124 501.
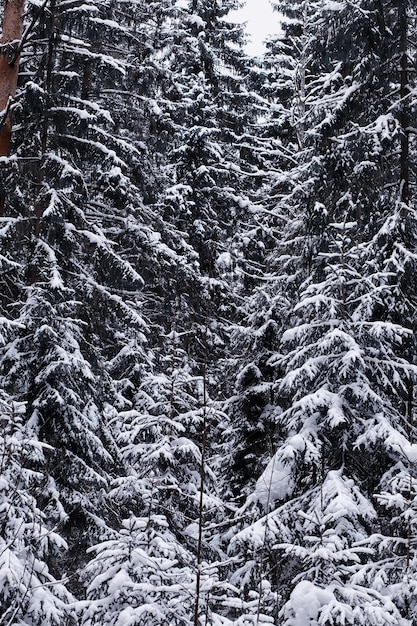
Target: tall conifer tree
pixel 344 367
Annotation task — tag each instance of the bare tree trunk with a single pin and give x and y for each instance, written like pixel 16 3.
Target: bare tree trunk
pixel 301 84
pixel 9 69
pixel 404 105
pixel 39 208
pixel 9 65
pixel 201 500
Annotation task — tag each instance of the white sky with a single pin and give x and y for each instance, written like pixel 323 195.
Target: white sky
pixel 261 21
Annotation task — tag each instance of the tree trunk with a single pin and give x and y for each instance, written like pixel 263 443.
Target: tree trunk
pixel 9 65
pixel 9 69
pixel 39 208
pixel 201 495
pixel 301 84
pixel 404 105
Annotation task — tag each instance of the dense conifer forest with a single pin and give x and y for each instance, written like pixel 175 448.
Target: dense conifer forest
pixel 208 297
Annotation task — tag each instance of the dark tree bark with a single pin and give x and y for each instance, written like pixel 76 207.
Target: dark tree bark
pixel 404 104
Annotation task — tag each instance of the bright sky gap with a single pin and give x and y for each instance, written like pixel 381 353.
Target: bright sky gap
pixel 261 22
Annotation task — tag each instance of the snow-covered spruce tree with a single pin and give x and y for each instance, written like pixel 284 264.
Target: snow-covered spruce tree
pixel 180 301
pixel 165 557
pixel 217 160
pixel 344 369
pixel 389 253
pixel 265 289
pixel 267 279
pixel 75 233
pixel 210 107
pixel 140 575
pixel 334 526
pixel 30 592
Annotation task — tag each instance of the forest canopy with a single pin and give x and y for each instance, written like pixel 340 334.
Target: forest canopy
pixel 207 315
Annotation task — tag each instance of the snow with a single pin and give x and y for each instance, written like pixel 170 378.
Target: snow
pixel 342 226
pixel 55 279
pixel 306 601
pixel 94 106
pixel 397 442
pixel 100 147
pixel 224 262
pixel 410 451
pixel 109 23
pixel 277 481
pixel 333 6
pixel 67 168
pixel 84 8
pixel 81 113
pixel 385 125
pixel 196 19
pixel 155 108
